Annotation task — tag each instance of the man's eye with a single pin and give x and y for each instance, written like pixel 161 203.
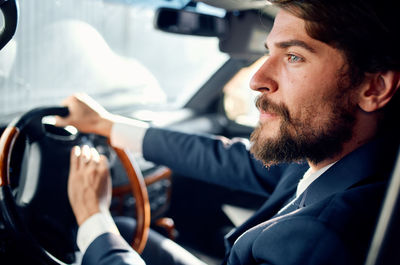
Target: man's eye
pixel 294 58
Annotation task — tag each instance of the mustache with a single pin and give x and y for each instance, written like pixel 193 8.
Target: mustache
pixel 263 103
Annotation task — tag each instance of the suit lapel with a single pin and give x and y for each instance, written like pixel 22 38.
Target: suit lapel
pixel 284 190
pixel 352 169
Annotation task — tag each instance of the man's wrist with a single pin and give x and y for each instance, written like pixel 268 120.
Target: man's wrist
pixel 82 217
pixel 93 227
pixel 104 125
pixel 128 133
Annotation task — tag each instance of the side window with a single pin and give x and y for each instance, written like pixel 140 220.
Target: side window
pixel 239 99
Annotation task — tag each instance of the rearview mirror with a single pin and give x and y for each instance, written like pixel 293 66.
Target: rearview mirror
pixel 189 23
pixel 241 34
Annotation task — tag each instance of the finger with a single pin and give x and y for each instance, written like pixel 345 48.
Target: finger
pixel 106 181
pixel 86 154
pixel 102 168
pixel 74 161
pixel 103 162
pixel 64 121
pixel 95 155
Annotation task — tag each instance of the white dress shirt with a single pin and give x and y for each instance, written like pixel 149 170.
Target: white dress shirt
pixel 128 134
pixel 306 181
pixel 93 227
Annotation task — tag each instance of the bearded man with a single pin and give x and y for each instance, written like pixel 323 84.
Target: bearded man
pixel 326 139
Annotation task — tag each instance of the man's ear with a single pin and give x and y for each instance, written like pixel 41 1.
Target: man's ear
pixel 378 90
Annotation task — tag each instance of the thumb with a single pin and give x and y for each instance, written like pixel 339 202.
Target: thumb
pixel 65 120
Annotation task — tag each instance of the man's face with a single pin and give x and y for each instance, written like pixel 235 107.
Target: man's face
pixel 306 108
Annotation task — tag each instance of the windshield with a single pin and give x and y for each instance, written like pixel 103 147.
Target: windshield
pixel 108 49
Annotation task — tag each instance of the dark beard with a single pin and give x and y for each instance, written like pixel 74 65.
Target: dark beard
pixel 313 144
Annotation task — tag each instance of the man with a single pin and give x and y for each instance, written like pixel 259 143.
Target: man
pixel 327 139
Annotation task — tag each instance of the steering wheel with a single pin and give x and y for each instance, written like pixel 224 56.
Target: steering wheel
pixel 33 188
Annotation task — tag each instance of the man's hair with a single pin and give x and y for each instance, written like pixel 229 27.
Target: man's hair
pixel 366 31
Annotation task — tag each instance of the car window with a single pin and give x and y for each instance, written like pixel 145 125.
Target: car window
pixel 239 99
pixel 108 49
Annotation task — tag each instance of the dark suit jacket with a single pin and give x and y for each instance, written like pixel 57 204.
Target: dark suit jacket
pixel 331 223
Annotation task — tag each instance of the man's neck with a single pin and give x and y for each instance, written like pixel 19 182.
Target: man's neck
pixel 348 147
pixel 365 129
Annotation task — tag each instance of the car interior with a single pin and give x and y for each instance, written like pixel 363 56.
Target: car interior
pixel 178 64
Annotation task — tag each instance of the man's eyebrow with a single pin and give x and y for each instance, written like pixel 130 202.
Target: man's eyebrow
pixel 291 43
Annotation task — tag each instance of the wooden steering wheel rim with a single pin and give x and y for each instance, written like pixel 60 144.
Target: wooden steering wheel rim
pixel 142 205
pixel 6 145
pixel 139 189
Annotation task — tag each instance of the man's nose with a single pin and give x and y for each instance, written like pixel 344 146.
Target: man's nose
pixel 264 79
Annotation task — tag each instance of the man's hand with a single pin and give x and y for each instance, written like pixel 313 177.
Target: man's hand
pixel 89 183
pixel 86 115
